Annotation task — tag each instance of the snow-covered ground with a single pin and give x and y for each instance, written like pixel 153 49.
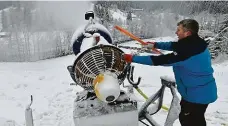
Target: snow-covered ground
pixel 49 83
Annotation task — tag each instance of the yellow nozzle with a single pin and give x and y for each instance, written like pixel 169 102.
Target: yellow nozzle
pixel 99 78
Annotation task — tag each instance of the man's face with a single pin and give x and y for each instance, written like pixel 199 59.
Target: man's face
pixel 181 32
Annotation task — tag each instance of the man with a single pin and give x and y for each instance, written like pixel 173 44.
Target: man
pixel 192 68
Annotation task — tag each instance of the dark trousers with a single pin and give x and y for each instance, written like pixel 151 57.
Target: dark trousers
pixel 192 114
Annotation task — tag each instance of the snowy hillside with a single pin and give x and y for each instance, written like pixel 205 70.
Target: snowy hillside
pixel 48 81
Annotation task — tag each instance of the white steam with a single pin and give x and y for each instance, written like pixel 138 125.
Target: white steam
pixel 68 14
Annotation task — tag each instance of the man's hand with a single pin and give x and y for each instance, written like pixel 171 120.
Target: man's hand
pixel 148 46
pixel 127 57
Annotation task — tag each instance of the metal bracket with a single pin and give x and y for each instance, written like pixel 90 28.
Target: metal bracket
pixel 130 77
pixel 174 110
pixel 71 71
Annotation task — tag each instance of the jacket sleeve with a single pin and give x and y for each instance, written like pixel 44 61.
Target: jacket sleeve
pixel 164 45
pixel 146 60
pixel 171 59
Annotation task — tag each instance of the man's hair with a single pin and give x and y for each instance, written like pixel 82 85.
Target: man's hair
pixel 190 25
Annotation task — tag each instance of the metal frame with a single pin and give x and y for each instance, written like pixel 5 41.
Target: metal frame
pixel 144 113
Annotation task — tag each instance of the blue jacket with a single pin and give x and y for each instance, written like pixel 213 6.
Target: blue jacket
pixel 192 68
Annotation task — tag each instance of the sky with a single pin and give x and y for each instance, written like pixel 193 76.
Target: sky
pixel 70 13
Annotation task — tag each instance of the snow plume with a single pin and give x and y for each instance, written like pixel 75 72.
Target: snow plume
pixel 67 14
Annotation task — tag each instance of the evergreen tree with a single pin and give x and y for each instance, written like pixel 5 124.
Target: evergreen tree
pixel 129 16
pixel 107 16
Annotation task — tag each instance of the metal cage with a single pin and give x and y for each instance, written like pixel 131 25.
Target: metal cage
pixel 96 60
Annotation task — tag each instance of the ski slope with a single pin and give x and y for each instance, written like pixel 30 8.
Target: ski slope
pixel 49 83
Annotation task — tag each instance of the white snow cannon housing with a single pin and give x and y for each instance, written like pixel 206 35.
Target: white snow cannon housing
pixel 100 70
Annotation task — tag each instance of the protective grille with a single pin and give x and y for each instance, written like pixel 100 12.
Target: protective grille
pixel 97 60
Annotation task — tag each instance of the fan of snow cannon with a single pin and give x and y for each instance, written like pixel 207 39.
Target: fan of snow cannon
pixel 100 69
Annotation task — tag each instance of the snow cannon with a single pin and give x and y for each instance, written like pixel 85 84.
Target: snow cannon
pixel 106 87
pixel 100 70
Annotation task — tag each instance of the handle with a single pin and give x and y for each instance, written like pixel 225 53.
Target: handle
pixel 122 30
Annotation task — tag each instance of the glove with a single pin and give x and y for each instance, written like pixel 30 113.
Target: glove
pixel 127 58
pixel 148 46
